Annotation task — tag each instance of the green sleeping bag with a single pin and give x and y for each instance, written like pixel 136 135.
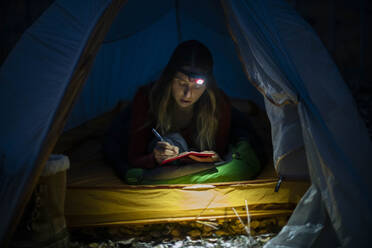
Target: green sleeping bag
pixel 243 166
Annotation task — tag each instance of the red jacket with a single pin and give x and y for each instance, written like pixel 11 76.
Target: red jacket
pixel 141 137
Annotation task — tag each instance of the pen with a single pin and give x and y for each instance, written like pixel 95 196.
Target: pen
pixel 157 134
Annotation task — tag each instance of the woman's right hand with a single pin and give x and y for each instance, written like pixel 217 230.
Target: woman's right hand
pixel 163 150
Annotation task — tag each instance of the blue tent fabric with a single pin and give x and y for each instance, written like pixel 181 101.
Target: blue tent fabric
pixel 136 50
pixel 130 21
pixel 33 80
pixel 263 55
pixel 315 126
pixel 292 48
pixel 124 65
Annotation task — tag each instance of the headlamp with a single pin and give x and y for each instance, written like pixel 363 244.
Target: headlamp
pixel 199 81
pixel 197 78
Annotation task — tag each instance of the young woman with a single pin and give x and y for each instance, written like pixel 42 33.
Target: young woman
pixel 185 100
pixel 186 106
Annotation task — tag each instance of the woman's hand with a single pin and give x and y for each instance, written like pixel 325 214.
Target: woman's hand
pixel 164 150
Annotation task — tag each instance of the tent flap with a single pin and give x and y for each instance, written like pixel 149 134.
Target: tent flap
pixel 325 120
pixel 34 79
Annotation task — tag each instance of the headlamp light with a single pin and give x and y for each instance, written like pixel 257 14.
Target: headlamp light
pixel 198 79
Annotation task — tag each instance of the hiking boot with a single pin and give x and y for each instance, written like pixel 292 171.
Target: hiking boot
pixel 43 225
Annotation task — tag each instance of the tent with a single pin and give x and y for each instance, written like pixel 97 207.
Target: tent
pixel 80 57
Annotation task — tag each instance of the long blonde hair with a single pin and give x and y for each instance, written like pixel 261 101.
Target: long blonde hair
pixel 206 109
pixel 205 115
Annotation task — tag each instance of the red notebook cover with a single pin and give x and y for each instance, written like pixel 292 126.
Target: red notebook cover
pixel 201 157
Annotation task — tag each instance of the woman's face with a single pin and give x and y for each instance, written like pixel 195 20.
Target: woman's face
pixel 186 92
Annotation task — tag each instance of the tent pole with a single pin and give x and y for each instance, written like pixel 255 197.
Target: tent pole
pixel 178 21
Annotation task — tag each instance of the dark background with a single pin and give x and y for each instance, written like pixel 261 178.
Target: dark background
pixel 342 25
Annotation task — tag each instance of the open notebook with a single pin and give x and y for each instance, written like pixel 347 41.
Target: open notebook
pixel 193 157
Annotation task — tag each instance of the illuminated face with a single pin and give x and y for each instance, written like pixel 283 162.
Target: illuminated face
pixel 186 92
